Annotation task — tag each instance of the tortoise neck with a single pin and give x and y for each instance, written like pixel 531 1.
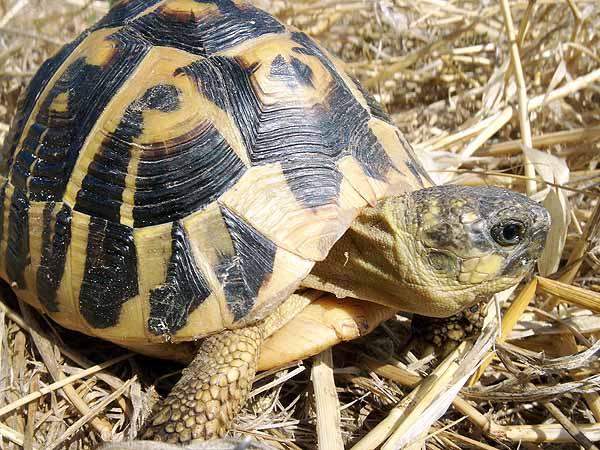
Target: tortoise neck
pixel 366 262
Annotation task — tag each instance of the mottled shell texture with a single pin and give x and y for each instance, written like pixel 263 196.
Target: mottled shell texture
pixel 178 168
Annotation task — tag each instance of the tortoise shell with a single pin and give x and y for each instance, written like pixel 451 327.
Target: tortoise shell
pixel 179 167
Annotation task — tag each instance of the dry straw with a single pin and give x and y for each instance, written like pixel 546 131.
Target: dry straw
pixel 499 92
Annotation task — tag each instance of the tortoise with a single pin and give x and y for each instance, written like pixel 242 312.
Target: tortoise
pixel 193 175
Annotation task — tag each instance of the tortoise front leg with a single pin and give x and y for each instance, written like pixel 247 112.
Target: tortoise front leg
pixel 212 389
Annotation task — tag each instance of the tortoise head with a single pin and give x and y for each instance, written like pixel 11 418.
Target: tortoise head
pixel 458 245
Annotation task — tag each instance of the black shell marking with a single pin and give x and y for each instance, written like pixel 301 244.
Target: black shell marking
pixel 306 142
pixel 2 200
pixel 49 301
pixel 110 277
pixel 17 256
pixel 293 73
pixel 102 188
pixel 243 274
pixel 374 107
pixel 413 163
pixel 37 85
pixel 209 34
pixel 183 175
pixel 348 136
pixel 54 255
pixel 185 288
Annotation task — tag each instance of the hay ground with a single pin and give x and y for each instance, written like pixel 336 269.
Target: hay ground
pixel 500 92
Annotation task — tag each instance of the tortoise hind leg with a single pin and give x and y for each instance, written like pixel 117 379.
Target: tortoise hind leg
pixel 212 389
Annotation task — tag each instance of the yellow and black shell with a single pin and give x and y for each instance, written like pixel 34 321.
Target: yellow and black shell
pixel 178 168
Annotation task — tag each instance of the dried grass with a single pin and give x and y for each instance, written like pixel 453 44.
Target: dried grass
pixel 504 93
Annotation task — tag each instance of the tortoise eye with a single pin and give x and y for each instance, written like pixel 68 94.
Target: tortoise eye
pixel 508 233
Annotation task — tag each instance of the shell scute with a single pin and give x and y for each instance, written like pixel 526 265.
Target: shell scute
pixel 157 153
pixel 110 273
pixel 203 27
pixel 242 274
pixel 56 238
pixel 185 288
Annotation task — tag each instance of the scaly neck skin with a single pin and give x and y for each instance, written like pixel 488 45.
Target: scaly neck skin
pixel 365 263
pixel 435 251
